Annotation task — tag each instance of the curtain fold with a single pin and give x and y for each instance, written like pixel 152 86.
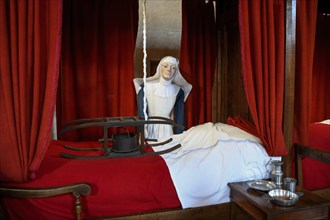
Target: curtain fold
pixel 198 57
pixel 262 38
pixel 97 63
pixel 305 41
pixel 30 43
pixel 321 71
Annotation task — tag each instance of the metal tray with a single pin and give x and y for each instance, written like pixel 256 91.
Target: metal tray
pixel 262 185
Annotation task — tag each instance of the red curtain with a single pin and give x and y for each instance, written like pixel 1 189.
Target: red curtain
pixel 262 33
pixel 30 39
pixel 306 28
pixel 97 62
pixel 321 71
pixel 198 58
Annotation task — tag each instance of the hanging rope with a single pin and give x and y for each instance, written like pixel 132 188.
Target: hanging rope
pixel 144 61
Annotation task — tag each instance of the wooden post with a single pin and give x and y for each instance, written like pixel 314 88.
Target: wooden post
pixel 290 59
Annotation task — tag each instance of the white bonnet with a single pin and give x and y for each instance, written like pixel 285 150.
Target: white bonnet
pixel 178 78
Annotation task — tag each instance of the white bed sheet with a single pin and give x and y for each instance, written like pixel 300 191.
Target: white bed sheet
pixel 211 156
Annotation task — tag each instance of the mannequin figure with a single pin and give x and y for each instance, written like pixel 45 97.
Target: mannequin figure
pixel 166 93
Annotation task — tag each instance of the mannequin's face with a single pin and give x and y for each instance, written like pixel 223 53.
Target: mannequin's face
pixel 167 70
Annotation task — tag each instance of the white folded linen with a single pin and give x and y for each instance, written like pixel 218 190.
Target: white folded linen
pixel 211 156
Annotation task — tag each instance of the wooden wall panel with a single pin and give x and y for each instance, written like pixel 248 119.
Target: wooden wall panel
pixel 230 90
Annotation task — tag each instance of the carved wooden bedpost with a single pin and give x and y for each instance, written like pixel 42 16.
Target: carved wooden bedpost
pixel 82 189
pixel 290 59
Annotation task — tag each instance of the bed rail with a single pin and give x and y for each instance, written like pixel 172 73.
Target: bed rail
pixel 316 154
pixel 77 190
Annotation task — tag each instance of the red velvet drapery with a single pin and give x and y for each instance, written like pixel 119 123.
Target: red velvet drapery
pixel 198 58
pixel 321 71
pixel 30 40
pixel 305 41
pixel 262 33
pixel 97 62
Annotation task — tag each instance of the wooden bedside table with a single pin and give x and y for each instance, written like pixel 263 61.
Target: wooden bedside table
pixel 248 203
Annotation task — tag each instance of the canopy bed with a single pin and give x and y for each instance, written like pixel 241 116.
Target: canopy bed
pixel 123 186
pixel 155 176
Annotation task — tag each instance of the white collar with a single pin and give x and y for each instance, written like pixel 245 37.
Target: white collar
pixel 165 82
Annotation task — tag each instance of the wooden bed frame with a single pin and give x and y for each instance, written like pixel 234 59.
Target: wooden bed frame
pixel 320 155
pixel 227 12
pixel 213 212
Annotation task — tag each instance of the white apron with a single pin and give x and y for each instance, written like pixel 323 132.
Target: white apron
pixel 161 100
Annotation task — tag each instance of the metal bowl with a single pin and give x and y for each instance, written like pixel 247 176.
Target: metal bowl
pixel 283 197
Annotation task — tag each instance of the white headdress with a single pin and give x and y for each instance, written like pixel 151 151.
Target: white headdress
pixel 178 78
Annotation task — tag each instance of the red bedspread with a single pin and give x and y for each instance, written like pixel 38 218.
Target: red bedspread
pixel 119 186
pixel 316 174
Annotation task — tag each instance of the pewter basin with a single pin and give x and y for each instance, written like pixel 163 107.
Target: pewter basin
pixel 283 197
